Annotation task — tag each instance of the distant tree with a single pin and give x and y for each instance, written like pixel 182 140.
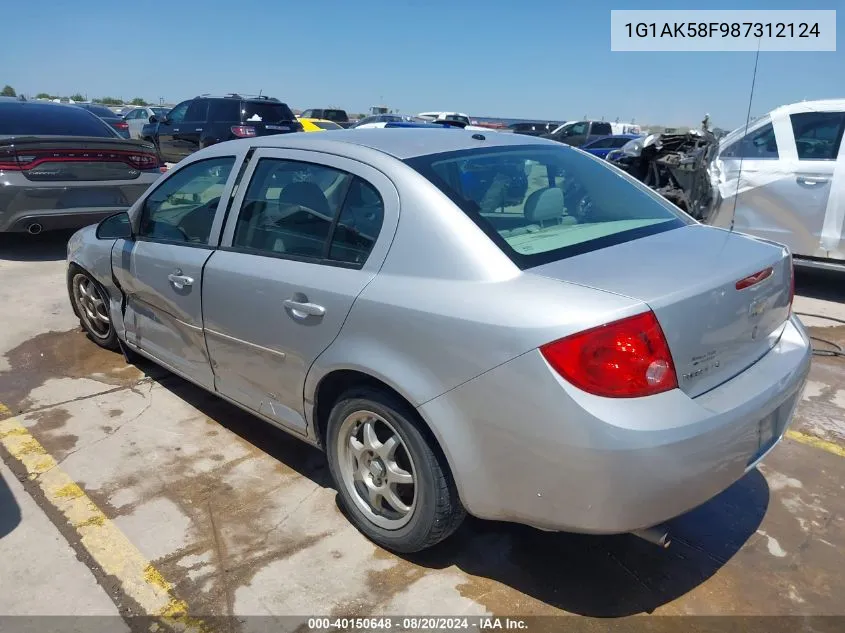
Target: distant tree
pixel 8 91
pixel 44 95
pixel 138 101
pixel 109 101
pixel 77 97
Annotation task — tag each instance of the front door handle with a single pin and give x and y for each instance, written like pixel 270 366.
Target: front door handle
pixel 303 309
pixel 811 180
pixel 179 280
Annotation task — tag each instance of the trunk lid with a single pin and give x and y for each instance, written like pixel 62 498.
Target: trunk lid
pixel 689 278
pixel 76 158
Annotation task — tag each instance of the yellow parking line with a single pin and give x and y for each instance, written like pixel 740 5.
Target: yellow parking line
pixel 106 544
pixel 816 442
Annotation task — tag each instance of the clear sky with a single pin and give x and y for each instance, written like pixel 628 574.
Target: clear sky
pixel 539 59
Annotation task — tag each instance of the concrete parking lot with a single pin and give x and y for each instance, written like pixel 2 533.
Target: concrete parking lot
pixel 126 489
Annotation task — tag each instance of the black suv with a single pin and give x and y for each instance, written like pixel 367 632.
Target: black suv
pixel 206 120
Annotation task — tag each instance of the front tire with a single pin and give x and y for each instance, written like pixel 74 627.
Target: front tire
pixel 91 305
pixel 393 486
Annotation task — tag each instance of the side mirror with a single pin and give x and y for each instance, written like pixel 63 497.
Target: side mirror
pixel 115 227
pixel 153 119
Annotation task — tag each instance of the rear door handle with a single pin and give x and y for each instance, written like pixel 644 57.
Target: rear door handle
pixel 179 280
pixel 811 180
pixel 302 310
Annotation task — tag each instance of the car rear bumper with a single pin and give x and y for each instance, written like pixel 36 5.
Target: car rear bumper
pixel 65 205
pixel 526 446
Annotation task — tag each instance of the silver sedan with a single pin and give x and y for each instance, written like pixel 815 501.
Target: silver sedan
pixel 493 324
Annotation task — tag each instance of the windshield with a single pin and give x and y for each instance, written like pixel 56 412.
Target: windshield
pixel 541 204
pixel 266 112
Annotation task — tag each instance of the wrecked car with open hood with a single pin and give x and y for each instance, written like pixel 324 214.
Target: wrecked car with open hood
pixel 675 165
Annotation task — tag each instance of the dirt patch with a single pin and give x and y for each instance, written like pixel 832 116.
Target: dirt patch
pixel 49 422
pixel 68 354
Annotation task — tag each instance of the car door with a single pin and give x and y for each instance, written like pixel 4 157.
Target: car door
pixel 818 144
pixel 186 140
pixel 772 193
pixel 133 120
pixel 166 129
pixel 160 269
pixel 310 232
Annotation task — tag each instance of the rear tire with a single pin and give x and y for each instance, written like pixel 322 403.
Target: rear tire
pixel 392 483
pixel 90 303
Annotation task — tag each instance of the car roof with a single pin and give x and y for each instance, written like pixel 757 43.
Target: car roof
pixel 821 105
pixel 400 142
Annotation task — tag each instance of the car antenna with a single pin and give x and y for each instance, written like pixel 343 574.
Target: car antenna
pixel 747 122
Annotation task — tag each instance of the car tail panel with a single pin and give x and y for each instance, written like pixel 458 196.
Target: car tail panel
pixel 76 159
pixel 722 299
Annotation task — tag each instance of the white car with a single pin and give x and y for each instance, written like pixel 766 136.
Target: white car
pixel 459 117
pixel 137 118
pixel 783 178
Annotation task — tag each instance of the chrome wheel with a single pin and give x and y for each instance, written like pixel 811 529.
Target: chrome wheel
pixel 92 306
pixel 377 469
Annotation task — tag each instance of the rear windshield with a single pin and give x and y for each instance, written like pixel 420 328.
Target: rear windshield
pixel 266 112
pixel 540 203
pixel 100 111
pixel 25 119
pixel 159 112
pixel 327 125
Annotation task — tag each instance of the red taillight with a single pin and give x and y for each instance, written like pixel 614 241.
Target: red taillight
pixel 629 358
pixel 243 131
pixel 25 159
pixel 122 125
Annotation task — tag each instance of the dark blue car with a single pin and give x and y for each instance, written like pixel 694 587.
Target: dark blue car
pixel 601 147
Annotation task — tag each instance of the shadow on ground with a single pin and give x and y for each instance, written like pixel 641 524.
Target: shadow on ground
pixel 46 247
pixel 588 575
pixel 820 284
pixel 10 512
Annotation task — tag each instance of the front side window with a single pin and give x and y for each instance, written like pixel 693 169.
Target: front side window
pixel 758 144
pixel 177 114
pixel 541 204
pixel 182 208
pixel 817 134
pixel 308 211
pixel 576 129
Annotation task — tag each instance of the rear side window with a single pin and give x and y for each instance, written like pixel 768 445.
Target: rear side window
pixel 197 111
pixel 19 119
pixel 308 211
pixel 265 111
pixel 335 115
pixel 541 204
pixel 817 134
pixel 601 128
pixel 759 144
pixel 224 110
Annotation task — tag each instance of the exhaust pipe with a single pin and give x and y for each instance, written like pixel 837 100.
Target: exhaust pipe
pixel 34 229
pixel 657 535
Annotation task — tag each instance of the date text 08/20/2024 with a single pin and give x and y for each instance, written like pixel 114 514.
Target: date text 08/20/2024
pixel 417 623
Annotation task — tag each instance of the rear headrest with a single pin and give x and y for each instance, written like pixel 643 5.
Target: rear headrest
pixel 305 194
pixel 544 204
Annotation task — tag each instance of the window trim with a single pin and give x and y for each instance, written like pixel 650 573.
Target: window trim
pixel 229 228
pixel 211 243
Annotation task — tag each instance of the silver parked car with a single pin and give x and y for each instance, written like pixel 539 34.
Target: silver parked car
pixel 62 167
pixel 493 324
